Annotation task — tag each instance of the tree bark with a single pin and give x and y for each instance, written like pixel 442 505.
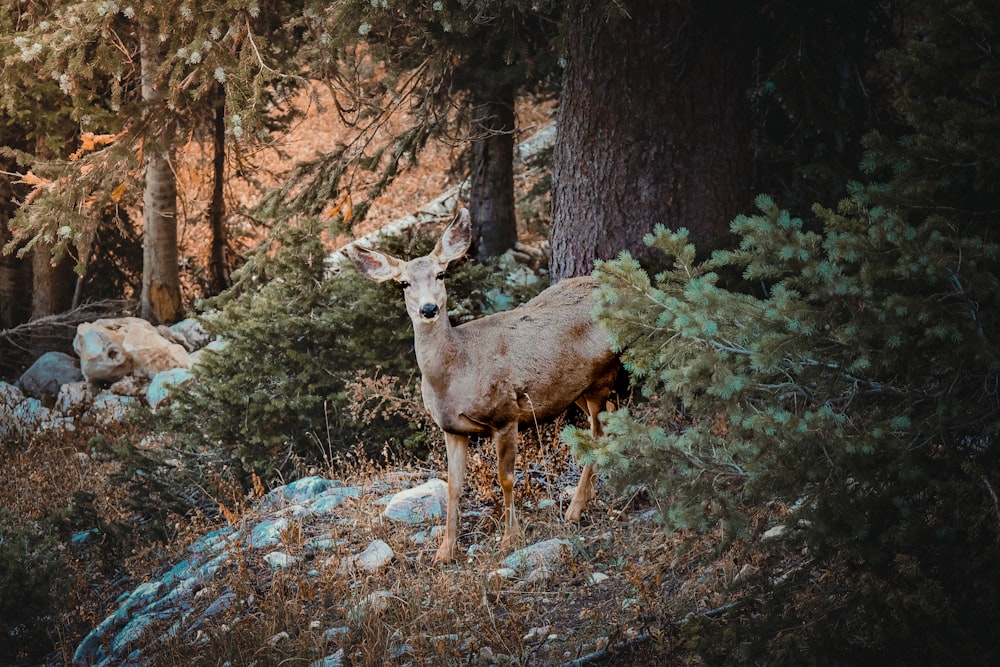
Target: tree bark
pixel 653 128
pixel 160 301
pixel 491 199
pixel 15 295
pixel 218 265
pixel 53 282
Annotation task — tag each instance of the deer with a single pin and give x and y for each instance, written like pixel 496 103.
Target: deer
pixel 491 375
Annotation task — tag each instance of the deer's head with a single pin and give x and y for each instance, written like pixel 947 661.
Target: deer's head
pixel 422 278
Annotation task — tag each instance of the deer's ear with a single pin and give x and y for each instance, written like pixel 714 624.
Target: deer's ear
pixel 455 240
pixel 373 264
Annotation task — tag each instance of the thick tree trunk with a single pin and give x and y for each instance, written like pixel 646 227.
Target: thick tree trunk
pixel 653 128
pixel 161 295
pixel 491 199
pixel 218 265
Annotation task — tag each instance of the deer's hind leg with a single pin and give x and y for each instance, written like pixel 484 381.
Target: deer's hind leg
pixel 591 404
pixel 505 439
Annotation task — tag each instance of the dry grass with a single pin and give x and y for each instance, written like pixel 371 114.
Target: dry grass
pixel 455 614
pixel 432 614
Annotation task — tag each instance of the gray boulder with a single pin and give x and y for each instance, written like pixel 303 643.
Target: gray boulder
pixel 49 372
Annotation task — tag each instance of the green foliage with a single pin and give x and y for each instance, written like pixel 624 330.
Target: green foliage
pixel 30 571
pixel 295 337
pixel 855 387
pixel 950 153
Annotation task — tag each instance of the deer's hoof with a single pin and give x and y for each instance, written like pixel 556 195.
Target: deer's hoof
pixel 573 514
pixel 445 554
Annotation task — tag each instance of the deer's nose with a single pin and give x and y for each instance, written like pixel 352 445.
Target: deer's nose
pixel 429 311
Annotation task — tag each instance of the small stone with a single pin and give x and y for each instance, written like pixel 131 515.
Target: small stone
pixel 537 634
pixel 279 559
pixel 596 578
pixel 774 533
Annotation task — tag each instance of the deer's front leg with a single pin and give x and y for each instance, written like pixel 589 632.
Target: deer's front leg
pixel 505 440
pixel 457 448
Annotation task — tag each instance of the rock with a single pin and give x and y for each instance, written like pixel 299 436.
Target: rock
pixel 374 558
pixel 191 334
pixel 424 536
pixel 74 398
pixel 110 408
pixel 49 372
pixel 332 499
pixel 11 411
pixel 536 563
pixel 268 533
pixel 374 603
pixel 531 557
pixel 300 491
pixel 596 578
pixel 426 502
pixel 130 385
pixel 150 352
pixel 10 397
pixel 775 532
pixel 214 347
pixel 158 392
pixel 102 357
pixel 279 559
pixel 537 634
pixel 332 660
pixel 110 349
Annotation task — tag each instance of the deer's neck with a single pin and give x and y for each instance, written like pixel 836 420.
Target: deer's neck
pixel 438 350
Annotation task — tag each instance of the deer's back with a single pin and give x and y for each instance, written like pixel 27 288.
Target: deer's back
pixel 534 361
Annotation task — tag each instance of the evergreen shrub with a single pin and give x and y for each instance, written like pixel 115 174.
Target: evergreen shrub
pixel 284 389
pixel 850 377
pixel 31 573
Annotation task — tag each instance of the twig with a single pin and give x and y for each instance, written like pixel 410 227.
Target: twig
pixel 996 504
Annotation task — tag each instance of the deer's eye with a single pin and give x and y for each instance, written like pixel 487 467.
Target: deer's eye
pixel 440 276
pixel 404 284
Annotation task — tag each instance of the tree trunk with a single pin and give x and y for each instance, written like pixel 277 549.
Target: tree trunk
pixel 15 295
pixel 161 295
pixel 53 282
pixel 491 198
pixel 218 266
pixel 653 128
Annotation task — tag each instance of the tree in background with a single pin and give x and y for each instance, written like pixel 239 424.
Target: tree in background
pixel 91 52
pixel 39 282
pixel 160 300
pixel 447 69
pixel 842 390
